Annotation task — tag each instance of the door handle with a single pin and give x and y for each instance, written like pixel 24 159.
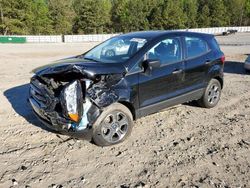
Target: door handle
pixel 207 62
pixel 177 71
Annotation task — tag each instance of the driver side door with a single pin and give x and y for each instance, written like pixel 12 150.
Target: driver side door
pixel 164 82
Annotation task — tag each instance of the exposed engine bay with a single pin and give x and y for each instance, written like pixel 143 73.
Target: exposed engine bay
pixel 71 99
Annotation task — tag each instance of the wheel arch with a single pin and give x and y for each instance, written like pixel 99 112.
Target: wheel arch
pixel 216 72
pixel 130 106
pixel 220 80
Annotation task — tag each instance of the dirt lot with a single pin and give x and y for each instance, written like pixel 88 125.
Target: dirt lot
pixel 185 146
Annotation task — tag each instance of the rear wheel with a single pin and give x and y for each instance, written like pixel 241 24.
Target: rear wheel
pixel 113 126
pixel 212 94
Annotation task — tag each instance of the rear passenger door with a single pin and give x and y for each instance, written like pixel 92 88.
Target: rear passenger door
pixel 196 62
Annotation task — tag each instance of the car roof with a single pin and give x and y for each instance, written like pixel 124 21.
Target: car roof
pixel 149 35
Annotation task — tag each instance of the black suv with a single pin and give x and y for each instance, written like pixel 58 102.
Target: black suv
pixel 98 94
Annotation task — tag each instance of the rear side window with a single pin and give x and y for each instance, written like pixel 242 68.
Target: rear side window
pixel 215 44
pixel 195 46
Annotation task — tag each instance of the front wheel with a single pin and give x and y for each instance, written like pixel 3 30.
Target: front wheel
pixel 113 126
pixel 212 94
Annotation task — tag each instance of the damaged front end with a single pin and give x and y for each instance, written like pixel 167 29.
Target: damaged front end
pixel 70 99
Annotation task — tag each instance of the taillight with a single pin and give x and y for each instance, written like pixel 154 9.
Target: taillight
pixel 223 59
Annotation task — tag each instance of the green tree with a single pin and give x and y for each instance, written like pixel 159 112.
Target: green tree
pixel 61 14
pixel 246 17
pixel 39 21
pixel 218 13
pixel 191 9
pixel 105 16
pixel 173 16
pixel 119 15
pixel 235 10
pixel 247 8
pixel 14 16
pixel 92 16
pixel 204 19
pixel 132 15
pixel 136 15
pixel 155 17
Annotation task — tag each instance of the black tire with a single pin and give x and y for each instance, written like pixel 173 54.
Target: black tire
pixel 211 95
pixel 113 126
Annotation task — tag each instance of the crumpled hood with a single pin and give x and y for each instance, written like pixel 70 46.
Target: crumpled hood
pixel 83 66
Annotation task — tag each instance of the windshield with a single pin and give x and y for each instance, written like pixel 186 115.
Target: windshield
pixel 116 50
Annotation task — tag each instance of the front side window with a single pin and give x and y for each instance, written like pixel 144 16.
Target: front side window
pixel 166 51
pixel 116 50
pixel 195 46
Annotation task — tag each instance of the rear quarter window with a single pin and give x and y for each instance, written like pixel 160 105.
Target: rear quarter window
pixel 195 46
pixel 215 44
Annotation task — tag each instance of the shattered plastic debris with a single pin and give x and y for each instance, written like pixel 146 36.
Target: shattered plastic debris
pixel 101 97
pixel 98 91
pixel 85 121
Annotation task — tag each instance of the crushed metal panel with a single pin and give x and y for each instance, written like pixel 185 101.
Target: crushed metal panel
pixel 98 91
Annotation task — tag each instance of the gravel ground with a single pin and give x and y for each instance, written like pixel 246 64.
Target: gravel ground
pixel 184 146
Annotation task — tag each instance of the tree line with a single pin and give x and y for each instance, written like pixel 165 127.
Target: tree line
pixel 36 17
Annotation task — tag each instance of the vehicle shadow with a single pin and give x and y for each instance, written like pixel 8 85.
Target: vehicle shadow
pixel 17 96
pixel 234 67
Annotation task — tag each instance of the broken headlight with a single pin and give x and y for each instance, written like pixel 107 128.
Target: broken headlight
pixel 72 100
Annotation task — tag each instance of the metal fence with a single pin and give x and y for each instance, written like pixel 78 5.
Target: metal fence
pixel 44 39
pixel 103 37
pixel 218 30
pixel 87 38
pixel 39 38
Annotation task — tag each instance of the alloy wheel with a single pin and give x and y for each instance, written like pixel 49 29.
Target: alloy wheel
pixel 114 127
pixel 213 94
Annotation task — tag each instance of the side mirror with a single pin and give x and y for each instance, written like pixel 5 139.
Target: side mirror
pixel 154 63
pixel 149 65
